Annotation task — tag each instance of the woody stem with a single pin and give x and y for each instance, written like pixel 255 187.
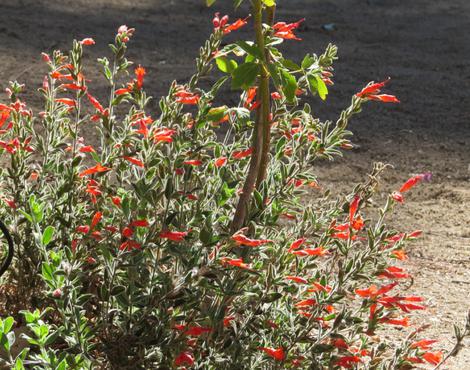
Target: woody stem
pixel 260 122
pixel 266 106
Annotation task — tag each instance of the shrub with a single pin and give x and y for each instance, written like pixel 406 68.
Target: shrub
pixel 197 237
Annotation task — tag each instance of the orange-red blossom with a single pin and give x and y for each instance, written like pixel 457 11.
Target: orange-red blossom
pixel 372 92
pixel 241 239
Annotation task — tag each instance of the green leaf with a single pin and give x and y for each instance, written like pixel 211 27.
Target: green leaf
pixel 7 324
pixel 307 61
pixel 317 86
pixel 322 89
pixel 19 364
pixel 269 2
pixel 226 65
pixel 290 65
pixel 250 49
pixel 225 194
pixel 62 366
pixel 4 342
pixel 26 215
pixel 216 114
pixel 47 235
pixel 244 76
pixel 46 271
pixel 210 2
pixel 289 86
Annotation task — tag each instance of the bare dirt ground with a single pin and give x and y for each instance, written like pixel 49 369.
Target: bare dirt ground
pixel 423 45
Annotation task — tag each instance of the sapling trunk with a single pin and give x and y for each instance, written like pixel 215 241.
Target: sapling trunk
pixel 261 129
pixel 265 102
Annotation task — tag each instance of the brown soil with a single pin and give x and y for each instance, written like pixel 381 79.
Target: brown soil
pixel 422 44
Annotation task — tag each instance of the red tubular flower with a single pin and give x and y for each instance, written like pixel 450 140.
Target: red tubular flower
pixel 83 229
pixel 348 361
pixel 140 73
pixel 297 183
pixel 239 23
pixel 398 322
pixel 358 223
pixel 372 89
pixel 228 320
pixel 384 98
pixel 193 162
pixel 242 154
pixel 73 86
pixel 190 100
pixel 296 244
pixel 139 223
pixel 134 161
pixel 241 239
pixel 10 203
pixel 297 279
pixel 66 101
pixel 184 358
pixel 410 183
pixel 306 303
pixel 176 236
pixel 96 169
pixel 96 219
pixel 235 262
pixel 87 149
pixel 434 358
pixel 317 287
pixel 122 91
pixel 400 254
pixel 88 41
pixel 116 201
pixel 320 251
pixel 372 92
pixel 408 307
pixel 345 236
pixel 164 134
pixel 286 30
pixel 394 272
pixel 216 21
pixel 276 353
pixel 340 343
pixel 95 103
pixel 423 344
pixel 185 97
pixel 353 207
pixel 129 245
pixel 142 126
pixel 45 57
pixel 398 197
pixel 196 331
pixel 220 162
pixel 415 234
pixel 341 227
pixel 127 232
pixel 373 292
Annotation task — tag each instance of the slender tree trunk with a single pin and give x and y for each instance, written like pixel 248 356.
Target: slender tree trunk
pixel 264 161
pixel 261 122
